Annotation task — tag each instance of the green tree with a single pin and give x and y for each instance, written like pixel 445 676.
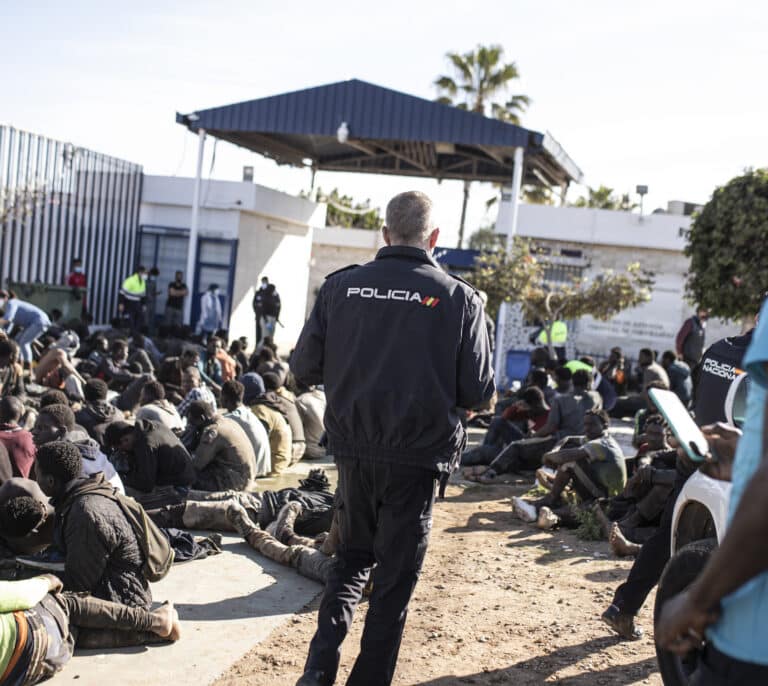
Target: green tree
pixel 346 212
pixel 604 198
pixel 519 278
pixel 486 240
pixel 480 83
pixel 728 248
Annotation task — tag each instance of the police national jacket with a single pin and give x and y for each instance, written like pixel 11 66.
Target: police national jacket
pixel 399 345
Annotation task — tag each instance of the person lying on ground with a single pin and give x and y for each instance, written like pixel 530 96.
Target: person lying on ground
pixel 57 423
pixel 155 408
pixel 223 455
pixel 593 470
pixel 232 394
pixel 40 626
pixel 305 559
pixel 208 510
pixel 154 463
pixel 102 554
pixel 96 414
pixel 17 441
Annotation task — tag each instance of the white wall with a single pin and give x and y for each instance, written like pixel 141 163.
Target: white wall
pixel 274 233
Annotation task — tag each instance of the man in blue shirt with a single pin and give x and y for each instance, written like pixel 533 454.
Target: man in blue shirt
pixel 729 600
pixel 31 319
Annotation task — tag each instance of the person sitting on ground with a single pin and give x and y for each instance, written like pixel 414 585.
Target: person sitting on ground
pixel 651 370
pixel 566 419
pixel 115 369
pixel 633 517
pixel 155 407
pixel 224 457
pixel 53 397
pixel 194 390
pixel 97 414
pixel 11 372
pixel 227 367
pixel 540 378
pixel 311 405
pixel 17 441
pixel 232 393
pixel 26 517
pixel 154 458
pixel 613 370
pixel 57 423
pixel 267 410
pixel 41 626
pixel 170 373
pixel 679 373
pixel 237 353
pixel 6 465
pixel 643 414
pixel 595 469
pixel 102 554
pixel 286 402
pixel 142 352
pixel 527 414
pixel 267 361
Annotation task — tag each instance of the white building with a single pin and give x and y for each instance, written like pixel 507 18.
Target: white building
pixel 246 231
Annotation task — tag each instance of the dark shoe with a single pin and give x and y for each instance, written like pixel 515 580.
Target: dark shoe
pixel 622 623
pixel 286 518
pixel 313 677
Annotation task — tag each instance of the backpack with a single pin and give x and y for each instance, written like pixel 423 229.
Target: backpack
pixel 154 544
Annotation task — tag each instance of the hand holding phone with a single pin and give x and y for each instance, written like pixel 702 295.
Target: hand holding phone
pixel 687 433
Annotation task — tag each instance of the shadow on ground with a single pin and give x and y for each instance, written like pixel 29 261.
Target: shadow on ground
pixel 542 669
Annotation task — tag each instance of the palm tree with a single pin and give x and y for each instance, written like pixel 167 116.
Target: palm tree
pixel 604 198
pixel 481 78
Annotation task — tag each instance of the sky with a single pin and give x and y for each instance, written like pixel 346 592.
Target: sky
pixel 667 94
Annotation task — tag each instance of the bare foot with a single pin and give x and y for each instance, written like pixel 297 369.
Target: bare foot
pixel 163 619
pixel 605 524
pixel 620 545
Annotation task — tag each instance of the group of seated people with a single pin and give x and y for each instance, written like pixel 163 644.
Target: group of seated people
pixel 184 433
pixel 556 426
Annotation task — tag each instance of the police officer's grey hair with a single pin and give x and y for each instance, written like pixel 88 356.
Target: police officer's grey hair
pixel 409 218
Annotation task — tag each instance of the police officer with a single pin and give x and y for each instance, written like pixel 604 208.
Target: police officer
pixel 132 297
pixel 399 345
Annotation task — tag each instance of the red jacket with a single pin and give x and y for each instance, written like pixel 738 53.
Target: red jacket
pixel 20 446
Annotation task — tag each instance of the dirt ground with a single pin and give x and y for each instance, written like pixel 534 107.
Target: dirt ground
pixel 498 602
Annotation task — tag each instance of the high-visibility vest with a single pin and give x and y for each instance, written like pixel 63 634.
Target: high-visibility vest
pixel 134 287
pixel 559 334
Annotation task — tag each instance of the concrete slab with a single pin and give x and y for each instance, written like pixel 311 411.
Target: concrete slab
pixel 227 603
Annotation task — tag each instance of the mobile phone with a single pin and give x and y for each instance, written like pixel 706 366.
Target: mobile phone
pixel 687 433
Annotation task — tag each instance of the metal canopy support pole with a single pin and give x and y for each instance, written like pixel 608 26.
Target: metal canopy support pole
pixel 507 223
pixel 193 229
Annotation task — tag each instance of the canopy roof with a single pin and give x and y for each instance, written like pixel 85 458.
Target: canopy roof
pixel 388 132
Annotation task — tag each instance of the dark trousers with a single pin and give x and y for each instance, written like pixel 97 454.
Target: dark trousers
pixel 502 431
pixel 719 669
pixel 650 563
pixel 522 455
pixel 385 516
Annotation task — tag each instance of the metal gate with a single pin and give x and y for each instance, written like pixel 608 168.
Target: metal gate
pixel 58 202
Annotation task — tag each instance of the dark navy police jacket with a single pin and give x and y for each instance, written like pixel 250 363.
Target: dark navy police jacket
pixel 399 345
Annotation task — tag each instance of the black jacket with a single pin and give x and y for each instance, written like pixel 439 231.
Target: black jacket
pixel 94 417
pixel 159 459
pixel 399 345
pixel 102 553
pixel 715 374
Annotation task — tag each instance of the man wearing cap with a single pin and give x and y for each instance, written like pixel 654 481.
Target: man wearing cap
pixel 400 346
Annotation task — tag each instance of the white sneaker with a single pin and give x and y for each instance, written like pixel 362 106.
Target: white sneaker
pixel 547 519
pixel 524 510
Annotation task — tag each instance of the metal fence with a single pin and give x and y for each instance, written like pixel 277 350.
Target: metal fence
pixel 59 202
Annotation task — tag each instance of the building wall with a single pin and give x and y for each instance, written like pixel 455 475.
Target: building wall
pixel 336 248
pixel 273 231
pixel 612 240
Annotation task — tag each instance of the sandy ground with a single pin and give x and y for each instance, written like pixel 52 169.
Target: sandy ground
pixel 498 602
